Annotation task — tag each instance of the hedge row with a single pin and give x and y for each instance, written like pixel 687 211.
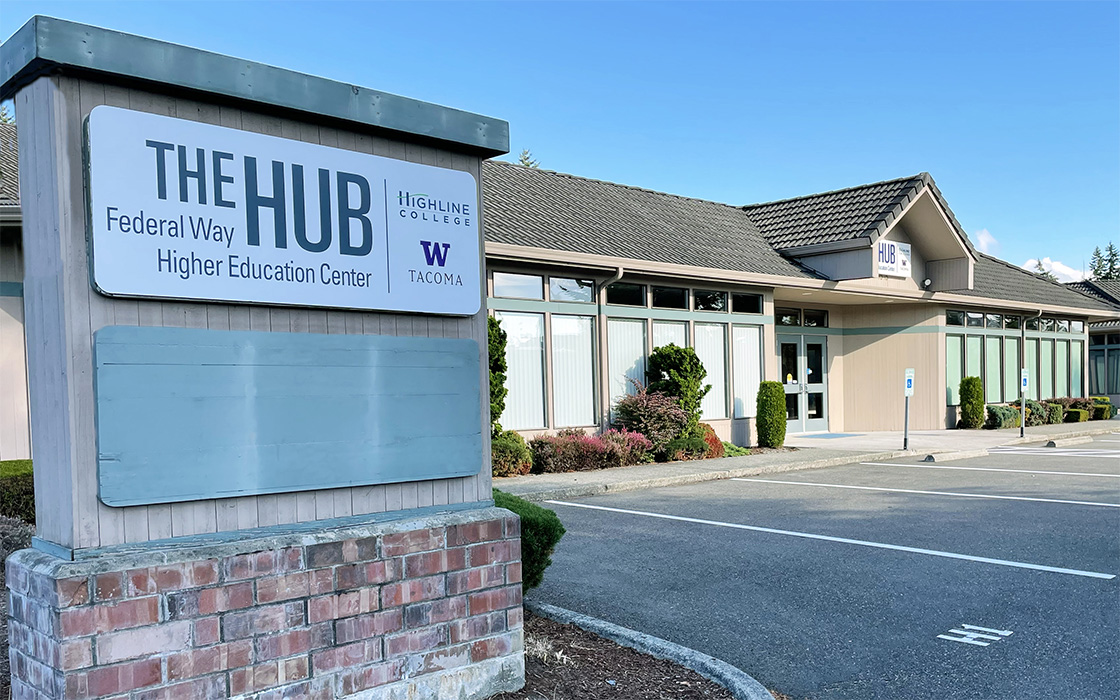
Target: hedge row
pixel 17 490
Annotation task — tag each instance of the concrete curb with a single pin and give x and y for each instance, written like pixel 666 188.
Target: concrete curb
pixel 742 686
pixel 951 456
pixel 1072 434
pixel 1066 441
pixel 699 477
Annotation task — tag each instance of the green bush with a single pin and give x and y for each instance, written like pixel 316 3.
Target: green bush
pixel 770 412
pixel 1102 412
pixel 684 448
pixel 1002 417
pixel 654 415
pixel 972 403
pixel 509 455
pixel 1077 415
pixel 732 450
pixel 14 536
pixel 498 390
pixel 540 531
pixel 678 373
pixel 1100 399
pixel 1055 413
pixel 17 490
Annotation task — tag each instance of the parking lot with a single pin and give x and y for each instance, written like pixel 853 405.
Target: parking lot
pixel 985 578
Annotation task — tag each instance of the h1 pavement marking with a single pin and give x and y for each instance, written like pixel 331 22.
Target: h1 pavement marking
pixel 844 540
pixel 971 634
pixel 935 493
pixel 986 469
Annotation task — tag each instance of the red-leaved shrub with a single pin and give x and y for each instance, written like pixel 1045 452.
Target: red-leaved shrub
pixel 715 445
pixel 657 416
pixel 572 450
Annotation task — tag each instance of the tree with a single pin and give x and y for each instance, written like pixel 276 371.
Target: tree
pixel 1097 265
pixel 498 390
pixel 1111 262
pixel 1041 271
pixel 526 159
pixel 677 372
pixel 5 115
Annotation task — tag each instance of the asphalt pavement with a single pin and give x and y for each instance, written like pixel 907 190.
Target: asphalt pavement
pixel 989 578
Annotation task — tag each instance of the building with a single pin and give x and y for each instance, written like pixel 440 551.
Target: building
pixel 1104 340
pixel 833 294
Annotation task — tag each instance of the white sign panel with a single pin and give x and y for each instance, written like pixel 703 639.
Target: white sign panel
pixel 893 258
pixel 1024 379
pixel 185 210
pixel 909 382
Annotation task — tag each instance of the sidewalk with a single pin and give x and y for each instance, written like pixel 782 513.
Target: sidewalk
pixel 820 452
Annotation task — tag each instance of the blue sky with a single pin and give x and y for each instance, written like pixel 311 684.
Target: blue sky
pixel 1013 107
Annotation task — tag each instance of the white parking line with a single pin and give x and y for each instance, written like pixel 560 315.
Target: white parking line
pixel 935 493
pixel 1057 452
pixel 843 540
pixel 985 469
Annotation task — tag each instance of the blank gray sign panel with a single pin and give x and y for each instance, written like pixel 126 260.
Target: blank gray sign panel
pixel 186 414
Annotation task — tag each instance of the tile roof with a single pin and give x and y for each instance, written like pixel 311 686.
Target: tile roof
pixel 546 209
pixel 9 165
pixel 996 279
pixel 838 215
pixel 1107 291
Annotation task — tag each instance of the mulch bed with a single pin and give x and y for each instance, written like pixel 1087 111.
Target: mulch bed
pixel 563 662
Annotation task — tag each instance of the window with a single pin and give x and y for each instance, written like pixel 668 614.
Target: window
pixel 992 374
pixel 1015 322
pixel 626 294
pixel 746 358
pixel 709 301
pixel 973 356
pixel 666 332
pixel 515 286
pixel 626 356
pixel 1032 324
pixel 1096 373
pixel 787 317
pixel 525 370
pixel 711 348
pixel 670 298
pixel 573 374
pixel 1113 374
pixel 1061 368
pixel 746 303
pixel 564 289
pixel 975 320
pixel 1046 381
pixel 954 369
pixel 815 319
pixel 1077 326
pixel 954 318
pixel 1076 366
pixel 1030 361
pixel 1063 325
pixel 1011 368
pixel 993 321
pixel 1114 338
pixel 1047 324
pixel 1096 340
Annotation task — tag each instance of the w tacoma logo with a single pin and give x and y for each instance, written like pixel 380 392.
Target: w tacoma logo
pixel 435 253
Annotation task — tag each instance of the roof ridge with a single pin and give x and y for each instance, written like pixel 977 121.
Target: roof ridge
pixel 615 184
pixel 923 176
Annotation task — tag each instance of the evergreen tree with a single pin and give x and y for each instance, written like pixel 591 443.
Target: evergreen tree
pixel 526 159
pixel 1096 265
pixel 5 115
pixel 1041 271
pixel 1111 263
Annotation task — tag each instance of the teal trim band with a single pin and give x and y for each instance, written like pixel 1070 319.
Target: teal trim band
pixel 46 44
pixel 11 289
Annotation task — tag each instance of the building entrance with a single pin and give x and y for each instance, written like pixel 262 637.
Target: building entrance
pixel 805 378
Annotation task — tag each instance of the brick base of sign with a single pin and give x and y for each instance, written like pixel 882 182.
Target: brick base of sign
pixel 422 608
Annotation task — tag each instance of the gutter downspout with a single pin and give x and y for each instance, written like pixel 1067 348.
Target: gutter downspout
pixel 1022 362
pixel 605 390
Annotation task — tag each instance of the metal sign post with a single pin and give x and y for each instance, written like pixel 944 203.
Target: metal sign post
pixel 909 391
pixel 1024 379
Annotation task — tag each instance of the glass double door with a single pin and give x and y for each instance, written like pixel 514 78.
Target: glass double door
pixel 804 365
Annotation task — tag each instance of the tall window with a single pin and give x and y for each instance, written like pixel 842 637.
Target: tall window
pixel 626 356
pixel 1011 368
pixel 954 368
pixel 1031 362
pixel 973 356
pixel 573 374
pixel 1113 383
pixel 525 374
pixel 1061 368
pixel 1046 383
pixel 992 374
pixel 746 363
pixel 670 332
pixel 1097 372
pixel 1076 365
pixel 711 348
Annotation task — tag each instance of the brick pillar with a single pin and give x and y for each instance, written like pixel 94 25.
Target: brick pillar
pixel 429 606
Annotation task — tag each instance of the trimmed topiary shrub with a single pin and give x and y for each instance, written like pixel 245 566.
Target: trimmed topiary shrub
pixel 657 416
pixel 1001 417
pixel 770 414
pixel 541 530
pixel 1077 415
pixel 498 390
pixel 972 403
pixel 1101 412
pixel 684 448
pixel 715 445
pixel 678 373
pixel 1055 413
pixel 509 455
pixel 1100 399
pixel 17 490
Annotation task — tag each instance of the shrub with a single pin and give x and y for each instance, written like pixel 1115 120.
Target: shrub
pixel 1002 417
pixel 1100 399
pixel 17 490
pixel 497 349
pixel 687 448
pixel 1068 403
pixel 540 531
pixel 1056 413
pixel 770 412
pixel 654 415
pixel 715 445
pixel 1037 414
pixel 15 534
pixel 1077 415
pixel 972 403
pixel 732 450
pixel 1101 412
pixel 634 448
pixel 509 455
pixel 677 372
